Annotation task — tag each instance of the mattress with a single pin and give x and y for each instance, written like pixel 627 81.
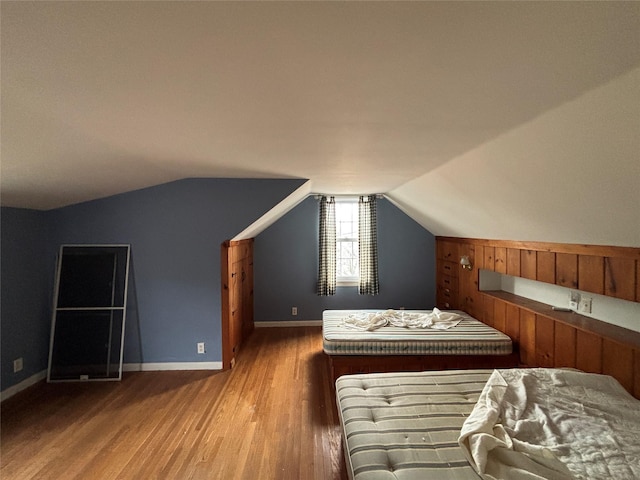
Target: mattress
pixel 405 426
pixel 469 337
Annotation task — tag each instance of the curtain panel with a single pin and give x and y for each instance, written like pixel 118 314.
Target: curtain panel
pixel 368 246
pixel 327 247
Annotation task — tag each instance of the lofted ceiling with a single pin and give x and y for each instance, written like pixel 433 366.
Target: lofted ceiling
pixel 100 98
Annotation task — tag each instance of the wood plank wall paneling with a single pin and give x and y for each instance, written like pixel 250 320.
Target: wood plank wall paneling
pixel 528 264
pixel 637 280
pixel 569 340
pixel 636 373
pixel 512 327
pixel 588 352
pixel 604 270
pixel 513 262
pixel 527 338
pixel 489 253
pixel 487 310
pixel 564 345
pixel 475 299
pixel 545 341
pixel 578 249
pixel 591 273
pixel 499 315
pixel 619 278
pixel 617 361
pixel 448 251
pixel 567 270
pixel 476 254
pixel 545 337
pixel 500 259
pixel 462 298
pixel 546 267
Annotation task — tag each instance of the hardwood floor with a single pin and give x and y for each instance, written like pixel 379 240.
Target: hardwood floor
pixel 272 417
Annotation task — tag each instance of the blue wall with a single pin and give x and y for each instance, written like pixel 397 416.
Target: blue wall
pixel 175 231
pixel 286 266
pixel 26 275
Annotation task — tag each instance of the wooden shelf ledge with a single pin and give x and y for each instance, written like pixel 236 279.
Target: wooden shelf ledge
pixel 580 322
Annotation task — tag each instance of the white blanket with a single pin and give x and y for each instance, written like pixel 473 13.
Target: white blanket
pixel 553 424
pixel 401 318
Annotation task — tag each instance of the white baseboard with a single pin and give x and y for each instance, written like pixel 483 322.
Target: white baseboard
pixel 126 367
pixel 26 383
pixel 162 366
pixel 291 323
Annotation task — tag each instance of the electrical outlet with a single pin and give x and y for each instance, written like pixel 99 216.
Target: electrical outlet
pixel 201 347
pixel 585 305
pixel 574 300
pixel 17 365
pixel 294 310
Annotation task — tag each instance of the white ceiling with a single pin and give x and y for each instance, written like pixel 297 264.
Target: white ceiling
pixel 100 98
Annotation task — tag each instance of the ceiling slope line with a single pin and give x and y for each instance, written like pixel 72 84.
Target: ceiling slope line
pixel 273 215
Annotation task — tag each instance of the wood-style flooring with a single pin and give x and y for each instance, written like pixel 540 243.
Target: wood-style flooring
pixel 272 417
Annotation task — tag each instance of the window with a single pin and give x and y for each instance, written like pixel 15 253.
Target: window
pixel 347 245
pixel 347 263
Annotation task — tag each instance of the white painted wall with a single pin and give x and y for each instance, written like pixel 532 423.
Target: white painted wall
pixel 570 175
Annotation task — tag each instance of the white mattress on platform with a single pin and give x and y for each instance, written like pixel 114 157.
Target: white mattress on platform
pixel 469 337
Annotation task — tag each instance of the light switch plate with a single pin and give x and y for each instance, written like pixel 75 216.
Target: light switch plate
pixel 585 305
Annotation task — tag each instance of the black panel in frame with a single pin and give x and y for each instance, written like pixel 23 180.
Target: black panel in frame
pixel 86 280
pixel 89 313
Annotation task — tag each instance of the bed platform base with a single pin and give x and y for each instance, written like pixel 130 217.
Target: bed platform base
pixel 350 364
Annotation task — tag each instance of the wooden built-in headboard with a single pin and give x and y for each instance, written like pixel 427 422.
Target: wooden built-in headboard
pixel 546 337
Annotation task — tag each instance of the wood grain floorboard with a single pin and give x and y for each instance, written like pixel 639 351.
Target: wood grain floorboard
pixel 272 417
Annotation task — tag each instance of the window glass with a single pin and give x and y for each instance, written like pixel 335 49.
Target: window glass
pixel 347 267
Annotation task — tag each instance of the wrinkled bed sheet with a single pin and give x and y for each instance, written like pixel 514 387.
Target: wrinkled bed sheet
pixel 400 318
pixel 553 424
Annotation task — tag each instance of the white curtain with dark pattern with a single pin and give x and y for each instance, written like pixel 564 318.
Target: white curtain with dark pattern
pixel 327 247
pixel 368 246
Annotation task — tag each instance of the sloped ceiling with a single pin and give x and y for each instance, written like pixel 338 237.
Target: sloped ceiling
pixel 570 175
pixel 100 98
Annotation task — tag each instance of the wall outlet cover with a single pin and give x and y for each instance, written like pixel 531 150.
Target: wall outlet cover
pixel 574 300
pixel 17 365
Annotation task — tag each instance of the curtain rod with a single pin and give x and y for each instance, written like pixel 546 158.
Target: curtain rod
pixel 320 195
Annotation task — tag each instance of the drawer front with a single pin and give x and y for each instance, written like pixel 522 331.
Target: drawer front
pixel 447 300
pixel 448 284
pixel 449 269
pixel 447 251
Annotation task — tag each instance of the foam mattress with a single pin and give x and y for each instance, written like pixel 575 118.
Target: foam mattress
pixel 405 426
pixel 469 337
